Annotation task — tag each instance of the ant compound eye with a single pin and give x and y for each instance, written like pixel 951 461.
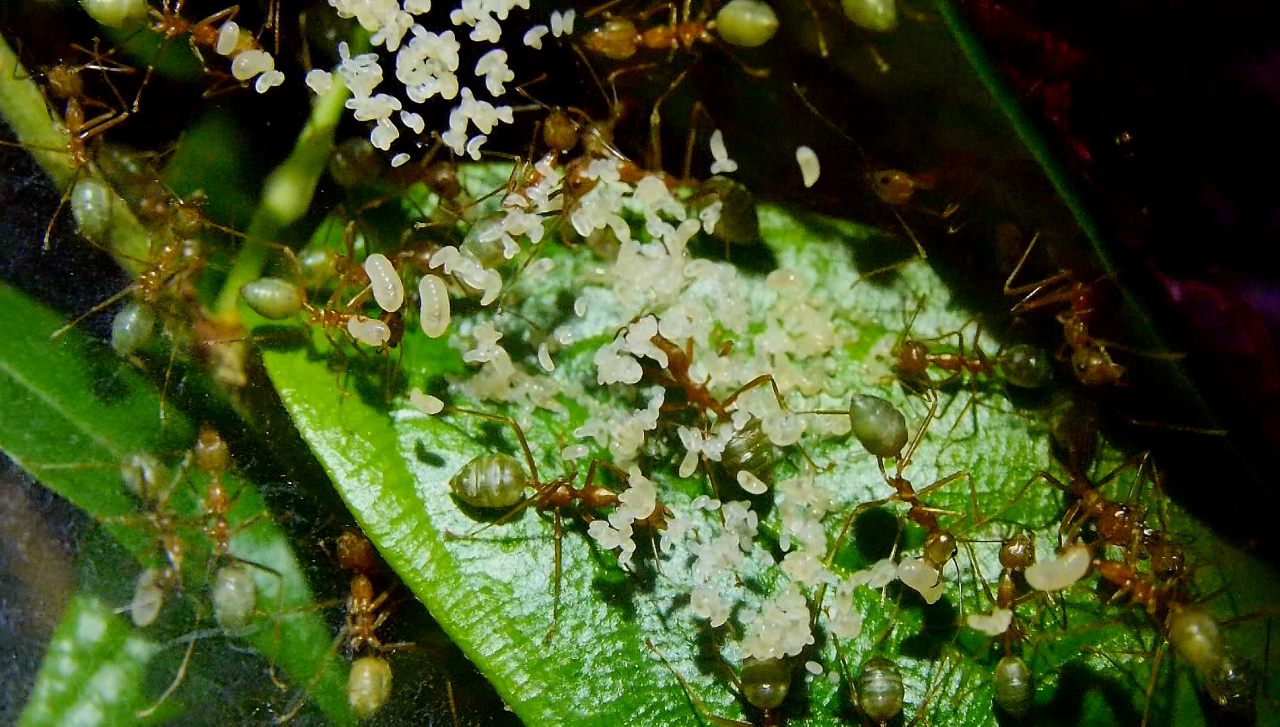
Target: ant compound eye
pixel 116 13
pixel 746 23
pixel 878 16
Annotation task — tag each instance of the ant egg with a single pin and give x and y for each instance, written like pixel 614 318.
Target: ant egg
pixel 91 207
pixel 880 690
pixel 148 597
pixel 1062 572
pixel 369 331
pixel 116 13
pixel 272 298
pixel 1013 686
pixel 880 427
pixel 746 23
pixel 491 481
pixel 233 595
pixel 388 289
pixel 765 682
pixel 434 313
pixel 368 686
pixel 880 16
pixel 1026 366
pixel 131 327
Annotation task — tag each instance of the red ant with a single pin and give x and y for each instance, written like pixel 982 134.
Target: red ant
pixel 1089 356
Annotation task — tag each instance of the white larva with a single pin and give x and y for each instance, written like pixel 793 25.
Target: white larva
pixel 425 403
pixel 388 290
pixel 992 624
pixel 544 358
pixel 368 685
pixel 1056 574
pixel 434 314
pixel 228 38
pixel 369 331
pixel 809 168
pixel 919 575
pixel 233 595
pixel 148 597
pixel 751 484
pixel 721 163
pixel 116 13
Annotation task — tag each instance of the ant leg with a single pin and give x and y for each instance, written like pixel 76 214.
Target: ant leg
pixel 655 122
pixel 177 680
pixel 555 598
pixel 698 703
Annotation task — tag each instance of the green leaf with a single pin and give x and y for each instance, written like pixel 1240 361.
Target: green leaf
pixel 93 673
pixel 492 590
pixel 71 412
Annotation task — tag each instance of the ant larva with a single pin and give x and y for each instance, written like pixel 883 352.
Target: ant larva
pixel 763 684
pixel 497 481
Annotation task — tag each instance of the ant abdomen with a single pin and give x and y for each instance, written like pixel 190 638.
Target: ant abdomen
pixel 765 683
pixel 746 23
pixel 490 481
pixel 878 425
pixel 272 298
pixel 880 690
pixel 1013 687
pixel 1025 366
pixel 233 595
pixel 368 686
pixel 132 327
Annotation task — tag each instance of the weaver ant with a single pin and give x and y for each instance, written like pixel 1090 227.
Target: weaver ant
pixel 497 481
pixel 763 684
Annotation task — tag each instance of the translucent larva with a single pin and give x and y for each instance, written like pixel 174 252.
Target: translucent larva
pixel 368 686
pixel 749 450
pixel 878 425
pixel 1231 684
pixel 1061 572
pixel 116 13
pixel 132 327
pixel 739 222
pixel 484 241
pixel 233 595
pixel 91 206
pixel 1026 366
pixel 809 167
pixel 880 16
pixel 765 683
pixel 272 298
pixel 142 475
pixel 435 305
pixel 746 23
pixel 491 481
pixel 148 597
pixel 1196 637
pixel 388 289
pixel 880 690
pixel 1013 687
pixel 369 331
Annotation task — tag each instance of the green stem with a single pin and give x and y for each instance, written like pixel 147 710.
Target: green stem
pixel 23 106
pixel 285 196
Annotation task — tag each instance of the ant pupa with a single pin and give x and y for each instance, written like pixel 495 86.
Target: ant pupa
pixel 496 481
pixel 763 684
